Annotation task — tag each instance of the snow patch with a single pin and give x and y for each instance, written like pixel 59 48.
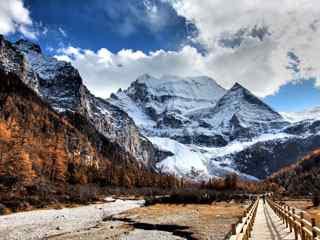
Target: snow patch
pixel 184 160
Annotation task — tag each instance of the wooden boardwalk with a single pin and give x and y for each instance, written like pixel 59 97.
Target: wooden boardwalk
pixel 268 226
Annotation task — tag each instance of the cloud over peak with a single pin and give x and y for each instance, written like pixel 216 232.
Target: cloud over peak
pixel 15 17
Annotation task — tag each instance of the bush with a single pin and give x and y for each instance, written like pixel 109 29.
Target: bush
pixel 8 181
pixel 2 209
pixel 230 181
pixel 315 200
pixel 193 196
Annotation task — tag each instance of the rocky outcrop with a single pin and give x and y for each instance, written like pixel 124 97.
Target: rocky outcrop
pixel 12 60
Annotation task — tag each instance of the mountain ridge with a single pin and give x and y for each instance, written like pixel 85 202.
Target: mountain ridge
pixel 225 135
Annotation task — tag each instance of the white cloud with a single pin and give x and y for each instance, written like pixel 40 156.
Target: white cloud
pixel 14 17
pixel 259 62
pixel 105 72
pixel 63 32
pixel 294 26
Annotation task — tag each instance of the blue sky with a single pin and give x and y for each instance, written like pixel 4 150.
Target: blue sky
pixel 295 97
pixel 106 23
pixel 112 42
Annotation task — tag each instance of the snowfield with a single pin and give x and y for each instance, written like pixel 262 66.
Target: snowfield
pixel 192 158
pixel 183 160
pixel 40 224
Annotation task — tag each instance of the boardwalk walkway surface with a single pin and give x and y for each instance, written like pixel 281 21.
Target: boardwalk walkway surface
pixel 268 226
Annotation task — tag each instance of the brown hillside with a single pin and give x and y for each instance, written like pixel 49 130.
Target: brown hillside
pixel 302 178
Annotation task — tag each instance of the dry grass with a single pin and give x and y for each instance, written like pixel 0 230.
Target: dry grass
pixel 306 205
pixel 204 221
pixel 303 204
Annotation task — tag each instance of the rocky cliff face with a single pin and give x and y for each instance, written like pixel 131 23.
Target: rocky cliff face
pixel 37 143
pixel 59 84
pixel 12 60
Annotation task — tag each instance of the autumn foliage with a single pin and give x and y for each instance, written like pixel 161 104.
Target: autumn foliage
pixel 300 179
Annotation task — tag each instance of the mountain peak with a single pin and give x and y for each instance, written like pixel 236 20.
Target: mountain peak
pixel 237 86
pixel 144 77
pixel 197 88
pixel 26 45
pixel 240 95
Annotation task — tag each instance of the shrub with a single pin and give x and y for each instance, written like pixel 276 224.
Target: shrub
pixel 230 181
pixel 8 181
pixel 315 200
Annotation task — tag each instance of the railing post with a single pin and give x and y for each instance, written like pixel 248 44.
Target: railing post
pixel 241 222
pixel 290 220
pixel 286 217
pixel 282 215
pixel 313 223
pixel 233 229
pixel 303 236
pixel 295 225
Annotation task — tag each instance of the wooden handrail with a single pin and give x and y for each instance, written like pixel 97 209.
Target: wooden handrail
pixel 242 230
pixel 301 226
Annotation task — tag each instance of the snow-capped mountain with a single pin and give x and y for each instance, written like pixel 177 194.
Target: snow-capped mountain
pixel 60 84
pixel 188 126
pixel 161 104
pixel 313 113
pixel 212 131
pixel 239 114
pixel 196 110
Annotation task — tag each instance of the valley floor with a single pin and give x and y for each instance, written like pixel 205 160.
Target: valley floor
pixel 124 220
pixel 42 224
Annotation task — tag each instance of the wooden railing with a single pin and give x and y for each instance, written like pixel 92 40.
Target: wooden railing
pixel 242 230
pixel 296 221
